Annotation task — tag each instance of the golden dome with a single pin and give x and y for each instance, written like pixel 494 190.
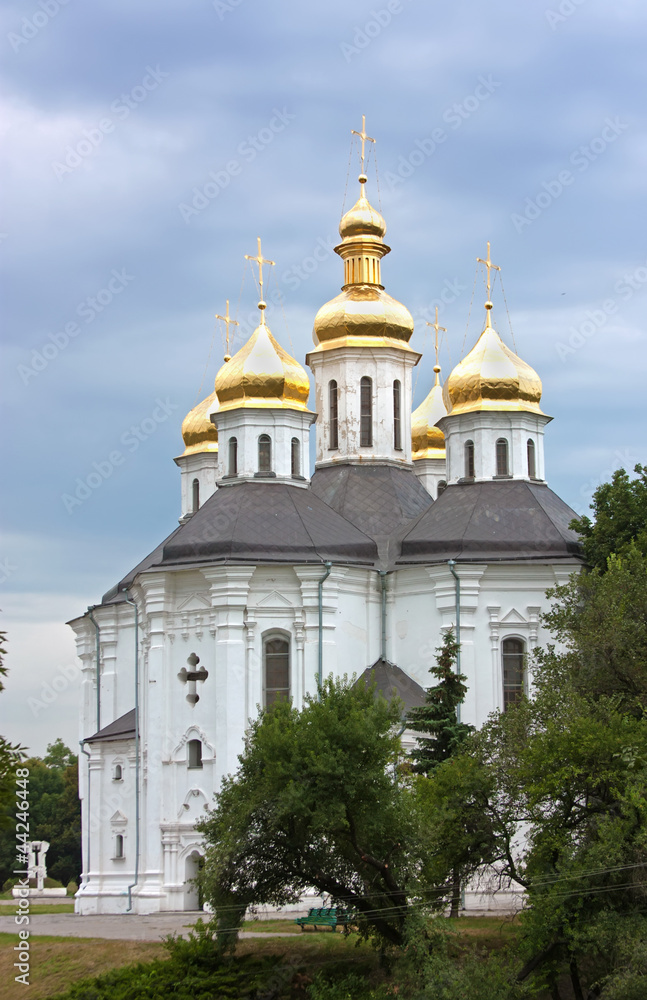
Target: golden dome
pixel 492 377
pixel 362 220
pixel 427 440
pixel 262 374
pixel 198 433
pixel 363 314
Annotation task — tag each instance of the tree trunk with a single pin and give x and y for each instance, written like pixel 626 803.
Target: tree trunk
pixel 575 979
pixel 456 894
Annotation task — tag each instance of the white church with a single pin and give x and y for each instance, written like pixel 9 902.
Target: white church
pixel 410 523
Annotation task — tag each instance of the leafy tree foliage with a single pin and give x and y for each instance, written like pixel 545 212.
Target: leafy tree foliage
pixel 620 509
pixel 54 814
pixel 11 754
pixel 317 801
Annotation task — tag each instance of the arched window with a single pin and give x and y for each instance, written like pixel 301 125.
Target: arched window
pixel 233 457
pixel 514 656
pixel 532 466
pixel 117 773
pixel 196 494
pixel 119 846
pixel 397 416
pixel 366 413
pixel 333 415
pixel 264 453
pixel 442 486
pixel 295 456
pixel 469 460
pixel 502 457
pixel 195 753
pixel 276 670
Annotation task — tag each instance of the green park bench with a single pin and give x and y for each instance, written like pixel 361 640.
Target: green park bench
pixel 324 916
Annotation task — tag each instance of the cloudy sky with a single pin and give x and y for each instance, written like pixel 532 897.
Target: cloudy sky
pixel 148 144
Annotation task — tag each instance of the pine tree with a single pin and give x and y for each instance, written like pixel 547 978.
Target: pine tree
pixel 438 717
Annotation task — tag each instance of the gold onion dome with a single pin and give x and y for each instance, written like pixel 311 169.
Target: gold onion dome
pixel 427 440
pixel 492 377
pixel 363 313
pixel 198 433
pixel 261 374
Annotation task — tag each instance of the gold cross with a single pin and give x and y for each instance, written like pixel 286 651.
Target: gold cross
pixel 488 263
pixel 363 136
pixel 436 327
pixel 260 260
pixel 228 322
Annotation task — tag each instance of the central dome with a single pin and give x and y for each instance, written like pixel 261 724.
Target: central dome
pixel 261 374
pixel 363 314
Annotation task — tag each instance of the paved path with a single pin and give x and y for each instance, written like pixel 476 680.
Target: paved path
pixel 129 927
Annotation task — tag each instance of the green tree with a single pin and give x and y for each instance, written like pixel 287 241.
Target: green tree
pixel 318 801
pixel 438 720
pixel 620 509
pixel 563 774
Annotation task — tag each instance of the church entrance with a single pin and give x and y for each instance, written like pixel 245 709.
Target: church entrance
pixel 192 892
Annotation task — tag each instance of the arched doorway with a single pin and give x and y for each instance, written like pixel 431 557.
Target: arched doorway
pixel 192 891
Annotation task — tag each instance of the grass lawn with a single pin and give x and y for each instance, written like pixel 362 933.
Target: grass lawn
pixel 57 962
pixel 6 911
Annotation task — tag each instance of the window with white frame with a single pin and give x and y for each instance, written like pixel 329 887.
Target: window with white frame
pixel 513 653
pixel 276 669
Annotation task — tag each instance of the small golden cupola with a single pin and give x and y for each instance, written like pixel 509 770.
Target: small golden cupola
pixel 262 374
pixel 198 433
pixel 427 439
pixel 363 312
pixel 491 376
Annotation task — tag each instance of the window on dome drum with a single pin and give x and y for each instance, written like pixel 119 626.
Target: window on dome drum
pixel 196 494
pixel 366 413
pixel 532 467
pixel 442 486
pixel 117 773
pixel 502 457
pixel 195 753
pixel 233 457
pixel 397 420
pixel 276 672
pixel 295 456
pixel 333 415
pixel 513 652
pixel 469 460
pixel 119 846
pixel 264 453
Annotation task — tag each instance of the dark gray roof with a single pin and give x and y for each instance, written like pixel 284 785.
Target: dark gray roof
pixel 381 500
pixel 390 680
pixel 120 729
pixel 493 521
pixel 267 522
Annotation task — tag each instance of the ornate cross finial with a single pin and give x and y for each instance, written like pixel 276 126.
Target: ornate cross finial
pixel 228 322
pixel 365 138
pixel 260 260
pixel 488 263
pixel 437 327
